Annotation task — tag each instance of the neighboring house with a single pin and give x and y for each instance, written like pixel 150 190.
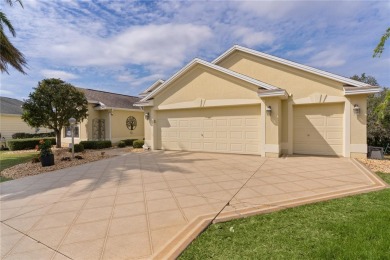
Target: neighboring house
pixel 11 121
pixel 250 102
pixel 110 117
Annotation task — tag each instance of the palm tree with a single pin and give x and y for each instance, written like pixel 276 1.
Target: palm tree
pixel 9 55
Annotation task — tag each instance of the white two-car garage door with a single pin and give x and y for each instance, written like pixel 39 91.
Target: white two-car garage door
pixel 224 130
pixel 318 129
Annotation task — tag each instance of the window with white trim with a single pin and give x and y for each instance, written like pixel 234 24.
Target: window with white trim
pixel 68 131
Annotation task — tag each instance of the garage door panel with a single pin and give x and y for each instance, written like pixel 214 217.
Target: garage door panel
pixel 252 148
pixel 208 123
pixel 209 146
pixel 222 122
pixel 318 129
pixel 195 146
pixel 221 134
pixel 336 122
pixel 237 148
pixel 252 122
pixel 236 122
pixel 222 147
pixel 236 135
pixel 233 130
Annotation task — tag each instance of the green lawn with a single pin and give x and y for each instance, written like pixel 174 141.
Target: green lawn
pixel 8 159
pixel 356 227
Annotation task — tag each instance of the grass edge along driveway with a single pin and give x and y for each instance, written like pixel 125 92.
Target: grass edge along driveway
pixel 9 159
pixel 355 227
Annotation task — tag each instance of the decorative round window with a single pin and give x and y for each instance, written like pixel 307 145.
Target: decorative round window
pixel 131 123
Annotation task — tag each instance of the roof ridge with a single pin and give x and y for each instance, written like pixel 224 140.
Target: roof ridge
pixel 103 91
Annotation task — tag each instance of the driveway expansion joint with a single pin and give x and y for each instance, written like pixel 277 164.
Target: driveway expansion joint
pixel 38 241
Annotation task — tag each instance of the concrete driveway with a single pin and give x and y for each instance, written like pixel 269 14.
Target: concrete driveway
pixel 151 205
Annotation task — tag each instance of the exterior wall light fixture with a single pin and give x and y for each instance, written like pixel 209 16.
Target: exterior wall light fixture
pixel 147 116
pixel 356 109
pixel 268 110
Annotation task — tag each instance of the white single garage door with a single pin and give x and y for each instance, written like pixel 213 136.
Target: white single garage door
pixel 318 129
pixel 224 130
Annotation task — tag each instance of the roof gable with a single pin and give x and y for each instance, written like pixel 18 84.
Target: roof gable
pixel 195 62
pixel 110 100
pixel 302 67
pixel 151 88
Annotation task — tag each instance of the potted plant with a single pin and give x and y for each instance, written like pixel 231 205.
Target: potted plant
pixel 46 155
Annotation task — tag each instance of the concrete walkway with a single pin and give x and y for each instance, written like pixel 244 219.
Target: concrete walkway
pixel 151 205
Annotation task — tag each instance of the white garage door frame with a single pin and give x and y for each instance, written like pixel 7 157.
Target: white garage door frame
pixel 200 129
pixel 318 129
pixel 321 99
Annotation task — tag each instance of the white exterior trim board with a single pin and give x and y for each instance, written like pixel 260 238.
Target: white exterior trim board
pixel 211 66
pixel 291 64
pixel 358 91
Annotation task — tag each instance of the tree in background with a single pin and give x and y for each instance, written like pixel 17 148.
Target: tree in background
pixel 381 45
pixel 366 79
pixel 378 123
pixel 52 104
pixel 9 55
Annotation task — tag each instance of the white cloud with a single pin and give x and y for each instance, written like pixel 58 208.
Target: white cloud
pixel 4 92
pixel 251 38
pixel 58 74
pixel 328 58
pixel 167 45
pixel 301 52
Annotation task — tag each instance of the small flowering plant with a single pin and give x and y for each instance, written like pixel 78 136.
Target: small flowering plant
pixel 44 147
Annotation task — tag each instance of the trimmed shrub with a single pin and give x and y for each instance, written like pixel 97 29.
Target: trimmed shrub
pixel 129 142
pixel 121 144
pixel 24 144
pixel 27 135
pixel 138 143
pixel 78 148
pixel 96 144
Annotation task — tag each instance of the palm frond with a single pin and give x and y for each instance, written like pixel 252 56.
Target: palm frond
pixel 10 55
pixel 11 2
pixel 4 20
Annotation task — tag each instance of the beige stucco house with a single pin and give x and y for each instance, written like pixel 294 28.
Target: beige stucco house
pixel 250 102
pixel 110 117
pixel 11 121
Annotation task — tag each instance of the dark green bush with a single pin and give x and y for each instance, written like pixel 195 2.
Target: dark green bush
pixel 27 135
pixel 96 144
pixel 78 148
pixel 24 144
pixel 121 144
pixel 129 142
pixel 138 143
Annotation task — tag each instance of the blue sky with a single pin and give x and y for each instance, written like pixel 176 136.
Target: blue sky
pixel 124 46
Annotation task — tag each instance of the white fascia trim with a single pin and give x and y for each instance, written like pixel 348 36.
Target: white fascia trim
pixel 358 91
pixel 291 64
pixel 148 103
pixel 152 87
pixel 118 108
pixel 280 93
pixel 211 66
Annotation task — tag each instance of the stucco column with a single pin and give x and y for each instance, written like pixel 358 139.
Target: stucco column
pixel 273 127
pixel 148 126
pixel 358 127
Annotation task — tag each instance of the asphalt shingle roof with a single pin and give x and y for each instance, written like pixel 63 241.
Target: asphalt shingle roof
pixel 10 106
pixel 111 99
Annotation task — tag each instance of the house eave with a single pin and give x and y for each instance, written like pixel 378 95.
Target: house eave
pixel 212 66
pixel 359 91
pixel 272 93
pixel 291 64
